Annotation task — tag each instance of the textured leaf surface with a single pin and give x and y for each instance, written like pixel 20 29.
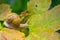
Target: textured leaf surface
pixel 36 6
pixel 43 23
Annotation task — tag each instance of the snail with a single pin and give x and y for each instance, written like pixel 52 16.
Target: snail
pixel 13 20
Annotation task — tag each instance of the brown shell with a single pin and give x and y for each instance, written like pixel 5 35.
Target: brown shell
pixel 13 19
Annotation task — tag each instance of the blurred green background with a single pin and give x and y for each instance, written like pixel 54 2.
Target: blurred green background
pixel 54 3
pixel 21 5
pixel 16 5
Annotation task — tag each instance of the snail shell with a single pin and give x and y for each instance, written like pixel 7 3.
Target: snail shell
pixel 13 19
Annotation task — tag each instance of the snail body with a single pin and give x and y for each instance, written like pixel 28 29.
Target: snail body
pixel 13 20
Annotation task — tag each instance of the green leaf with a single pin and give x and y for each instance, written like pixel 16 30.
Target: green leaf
pixel 43 23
